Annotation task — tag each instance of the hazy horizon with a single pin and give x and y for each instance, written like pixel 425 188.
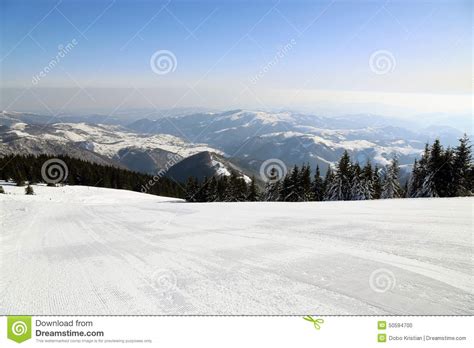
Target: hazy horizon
pixel 396 59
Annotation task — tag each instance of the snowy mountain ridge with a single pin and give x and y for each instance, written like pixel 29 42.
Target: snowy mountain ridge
pixel 145 153
pixel 247 137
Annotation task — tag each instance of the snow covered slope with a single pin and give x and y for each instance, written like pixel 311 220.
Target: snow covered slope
pixel 204 165
pixel 84 250
pixel 98 143
pixel 294 138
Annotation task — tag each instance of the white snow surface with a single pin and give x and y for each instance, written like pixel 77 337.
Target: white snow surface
pixel 84 250
pixel 109 140
pixel 220 168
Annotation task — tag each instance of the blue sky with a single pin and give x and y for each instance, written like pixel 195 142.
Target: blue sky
pixel 231 53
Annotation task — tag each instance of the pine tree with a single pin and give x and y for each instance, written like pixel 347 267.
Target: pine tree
pixel 434 171
pixel 435 164
pixel 29 190
pixel 463 168
pixel 447 175
pixel 415 181
pixel 222 183
pixel 192 188
pixel 391 186
pixel 212 194
pixel 318 186
pixel 377 183
pixel 404 191
pixel 340 186
pixel 357 189
pixel 294 189
pixel 202 189
pixel 230 194
pixel 272 191
pixel 304 184
pixel 335 189
pixel 428 188
pixel 423 178
pixel 367 181
pixel 327 181
pixel 291 190
pixel 253 191
pixel 236 190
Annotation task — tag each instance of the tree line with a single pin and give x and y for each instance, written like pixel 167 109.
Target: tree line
pixel 232 188
pixel 21 169
pixel 438 173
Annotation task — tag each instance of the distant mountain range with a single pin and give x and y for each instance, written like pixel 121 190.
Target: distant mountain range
pixel 104 144
pixel 206 143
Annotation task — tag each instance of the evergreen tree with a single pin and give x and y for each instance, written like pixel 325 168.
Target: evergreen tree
pixel 230 195
pixel 404 191
pixel 304 191
pixel 29 190
pixel 340 186
pixel 335 189
pixel 425 187
pixel 286 189
pixel 436 171
pixel 368 181
pixel 272 191
pixel 253 191
pixel 327 181
pixel 236 190
pixel 391 185
pixel 367 178
pixel 242 189
pixel 447 175
pixel 201 194
pixel 377 183
pixel 294 189
pixel 415 182
pixel 428 188
pixel 291 189
pixel 318 186
pixel 357 189
pixel 222 183
pixel 192 188
pixel 435 164
pixel 212 193
pixel 463 184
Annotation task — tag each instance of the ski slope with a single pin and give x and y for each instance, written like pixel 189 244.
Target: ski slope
pixel 83 250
